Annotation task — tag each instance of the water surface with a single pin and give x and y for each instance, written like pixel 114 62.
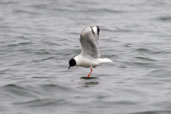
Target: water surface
pixel 37 38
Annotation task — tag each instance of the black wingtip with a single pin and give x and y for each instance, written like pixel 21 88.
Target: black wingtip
pixel 98 29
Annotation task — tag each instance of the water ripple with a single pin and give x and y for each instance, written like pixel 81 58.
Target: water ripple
pixel 39 37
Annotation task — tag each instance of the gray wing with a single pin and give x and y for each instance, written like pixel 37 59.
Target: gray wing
pixel 89 44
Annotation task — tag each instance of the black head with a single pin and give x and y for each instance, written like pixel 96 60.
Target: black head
pixel 72 62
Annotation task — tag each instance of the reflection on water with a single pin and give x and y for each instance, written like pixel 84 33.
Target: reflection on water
pixel 89 81
pixel 88 78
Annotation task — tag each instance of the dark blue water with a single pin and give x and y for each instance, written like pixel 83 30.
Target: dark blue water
pixel 37 38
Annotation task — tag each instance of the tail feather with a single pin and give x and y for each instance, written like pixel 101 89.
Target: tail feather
pixel 105 60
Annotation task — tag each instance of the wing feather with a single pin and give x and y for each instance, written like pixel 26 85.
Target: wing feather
pixel 89 42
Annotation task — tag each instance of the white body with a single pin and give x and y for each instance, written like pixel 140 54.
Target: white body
pixel 90 62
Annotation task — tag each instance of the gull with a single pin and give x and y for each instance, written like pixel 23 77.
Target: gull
pixel 89 56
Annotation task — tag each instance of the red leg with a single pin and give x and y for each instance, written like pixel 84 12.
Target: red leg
pixel 91 70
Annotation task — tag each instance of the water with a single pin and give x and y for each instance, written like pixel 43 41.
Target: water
pixel 37 38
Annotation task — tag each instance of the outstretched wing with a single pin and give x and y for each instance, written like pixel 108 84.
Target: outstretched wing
pixel 89 41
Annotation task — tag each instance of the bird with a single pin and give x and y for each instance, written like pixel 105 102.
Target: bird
pixel 90 55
